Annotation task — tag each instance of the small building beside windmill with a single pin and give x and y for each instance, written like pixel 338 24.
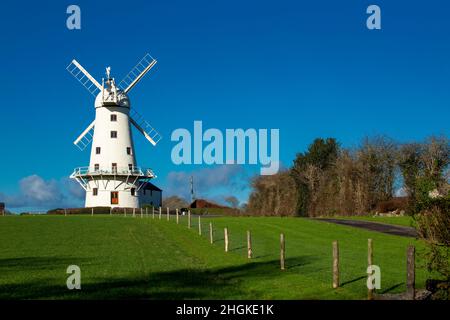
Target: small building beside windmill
pixel 151 195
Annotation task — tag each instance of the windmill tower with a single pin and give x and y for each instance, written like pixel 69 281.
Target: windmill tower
pixel 113 177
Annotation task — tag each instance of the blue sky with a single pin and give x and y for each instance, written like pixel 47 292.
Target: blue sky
pixel 310 68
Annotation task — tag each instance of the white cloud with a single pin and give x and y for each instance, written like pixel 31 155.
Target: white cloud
pixel 212 183
pixel 36 192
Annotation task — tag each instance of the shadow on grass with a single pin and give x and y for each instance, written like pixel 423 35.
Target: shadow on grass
pixel 38 263
pixel 392 288
pixel 263 256
pixel 353 280
pixel 238 248
pixel 220 283
pixel 295 263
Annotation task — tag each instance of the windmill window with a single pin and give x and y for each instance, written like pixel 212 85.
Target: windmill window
pixel 128 150
pixel 114 167
pixel 95 191
pixel 113 134
pixel 130 167
pixel 114 117
pixel 97 150
pixel 133 191
pixel 96 167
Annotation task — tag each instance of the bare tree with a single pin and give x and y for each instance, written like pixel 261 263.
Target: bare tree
pixel 436 158
pixel 273 195
pixel 232 201
pixel 175 202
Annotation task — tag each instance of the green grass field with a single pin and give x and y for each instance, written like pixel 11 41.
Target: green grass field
pixel 405 221
pixel 125 257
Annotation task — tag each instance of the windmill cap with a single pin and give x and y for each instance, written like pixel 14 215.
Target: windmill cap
pixel 122 99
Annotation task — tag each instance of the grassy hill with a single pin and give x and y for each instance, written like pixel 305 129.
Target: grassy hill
pixel 125 257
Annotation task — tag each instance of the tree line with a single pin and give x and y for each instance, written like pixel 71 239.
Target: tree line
pixel 328 179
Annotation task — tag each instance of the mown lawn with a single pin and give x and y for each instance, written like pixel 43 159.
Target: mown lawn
pixel 125 257
pixel 405 221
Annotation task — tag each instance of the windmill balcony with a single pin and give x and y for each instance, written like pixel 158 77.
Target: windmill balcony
pixel 120 171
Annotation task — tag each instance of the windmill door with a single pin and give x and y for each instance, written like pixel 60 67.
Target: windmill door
pixel 114 197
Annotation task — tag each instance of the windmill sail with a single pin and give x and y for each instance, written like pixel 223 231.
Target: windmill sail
pixel 88 81
pixel 144 127
pixel 85 137
pixel 136 74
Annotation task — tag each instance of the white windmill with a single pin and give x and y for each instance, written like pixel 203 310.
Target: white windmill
pixel 113 177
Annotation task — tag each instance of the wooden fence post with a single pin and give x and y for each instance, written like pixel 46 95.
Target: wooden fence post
pixel 160 213
pixel 153 212
pixel 134 212
pixel 65 212
pixel 124 212
pixel 410 273
pixel 335 264
pixel 199 226
pixel 146 212
pixel 211 236
pixel 110 211
pixel 226 239
pixel 142 213
pixel 369 263
pixel 249 245
pixel 189 219
pixel 168 214
pixel 282 251
pixel 92 211
pixel 178 218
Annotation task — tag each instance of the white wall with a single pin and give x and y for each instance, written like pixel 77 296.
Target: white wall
pixel 112 150
pixel 103 198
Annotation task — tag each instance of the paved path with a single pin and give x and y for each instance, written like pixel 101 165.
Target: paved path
pixel 374 226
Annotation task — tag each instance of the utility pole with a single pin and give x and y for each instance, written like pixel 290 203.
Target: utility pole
pixel 192 189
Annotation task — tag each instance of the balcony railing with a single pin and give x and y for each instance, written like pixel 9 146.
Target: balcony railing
pixel 110 171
